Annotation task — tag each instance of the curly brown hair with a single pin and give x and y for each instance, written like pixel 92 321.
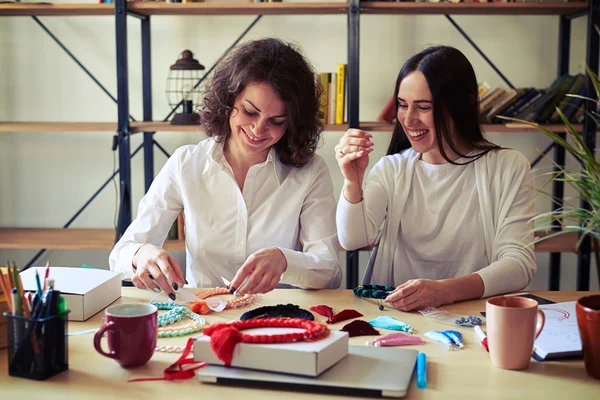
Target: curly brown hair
pixel 282 66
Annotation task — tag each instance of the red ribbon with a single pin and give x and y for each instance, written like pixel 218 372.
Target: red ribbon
pixel 176 371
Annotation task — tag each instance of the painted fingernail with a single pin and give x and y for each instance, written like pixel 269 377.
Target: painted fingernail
pixel 175 287
pixel 172 296
pixel 186 282
pixel 150 276
pixel 232 290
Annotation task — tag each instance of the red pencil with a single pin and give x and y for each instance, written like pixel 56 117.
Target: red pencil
pixel 46 275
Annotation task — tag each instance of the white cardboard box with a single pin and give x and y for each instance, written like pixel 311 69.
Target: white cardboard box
pixel 301 358
pixel 86 290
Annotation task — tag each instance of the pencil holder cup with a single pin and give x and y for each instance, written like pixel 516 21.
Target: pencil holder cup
pixel 37 348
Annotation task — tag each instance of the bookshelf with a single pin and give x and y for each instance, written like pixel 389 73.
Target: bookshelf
pixel 103 239
pixel 28 238
pixel 158 126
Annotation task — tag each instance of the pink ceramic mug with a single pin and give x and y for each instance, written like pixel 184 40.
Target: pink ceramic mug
pixel 513 323
pixel 132 331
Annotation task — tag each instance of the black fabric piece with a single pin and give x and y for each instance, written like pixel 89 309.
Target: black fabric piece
pixel 278 311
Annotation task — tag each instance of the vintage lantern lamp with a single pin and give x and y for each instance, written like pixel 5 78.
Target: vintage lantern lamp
pixel 182 88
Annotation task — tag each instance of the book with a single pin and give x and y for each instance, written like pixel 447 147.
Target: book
pixel 340 100
pixel 560 336
pixel 323 78
pixel 332 98
pixel 564 103
pixel 388 113
pixel 561 85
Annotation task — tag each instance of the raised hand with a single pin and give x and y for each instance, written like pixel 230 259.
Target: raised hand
pixel 352 154
pixel 155 268
pixel 263 270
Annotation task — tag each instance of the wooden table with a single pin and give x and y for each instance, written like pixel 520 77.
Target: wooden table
pixel 463 374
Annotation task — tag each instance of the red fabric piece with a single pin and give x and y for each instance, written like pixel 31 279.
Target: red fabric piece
pixel 360 328
pixel 332 318
pixel 176 370
pixel 323 310
pixel 344 315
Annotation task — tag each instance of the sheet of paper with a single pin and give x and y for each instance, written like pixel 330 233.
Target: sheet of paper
pixel 560 335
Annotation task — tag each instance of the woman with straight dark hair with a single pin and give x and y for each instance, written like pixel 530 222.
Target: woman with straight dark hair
pixel 449 211
pixel 258 202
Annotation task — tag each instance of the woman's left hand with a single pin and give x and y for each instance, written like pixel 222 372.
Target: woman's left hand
pixel 416 294
pixel 263 270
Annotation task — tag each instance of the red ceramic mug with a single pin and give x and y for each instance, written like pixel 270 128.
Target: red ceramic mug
pixel 588 320
pixel 132 331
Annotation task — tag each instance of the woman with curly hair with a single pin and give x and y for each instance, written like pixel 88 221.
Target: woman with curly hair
pixel 258 202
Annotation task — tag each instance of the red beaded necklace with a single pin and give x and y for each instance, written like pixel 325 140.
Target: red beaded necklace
pixel 224 337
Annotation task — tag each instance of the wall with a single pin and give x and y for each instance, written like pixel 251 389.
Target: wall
pixel 46 177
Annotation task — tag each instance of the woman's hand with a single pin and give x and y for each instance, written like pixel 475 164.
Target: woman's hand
pixel 155 268
pixel 352 154
pixel 416 294
pixel 263 270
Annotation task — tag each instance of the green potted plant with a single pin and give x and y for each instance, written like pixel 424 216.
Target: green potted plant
pixel 574 218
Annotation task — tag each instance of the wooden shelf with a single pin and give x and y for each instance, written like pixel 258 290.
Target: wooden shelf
pixel 21 9
pixel 489 128
pixel 474 8
pixel 103 239
pixel 65 239
pixel 58 126
pixel 162 8
pixel 136 127
pixel 291 8
pixel 565 243
pixel 224 8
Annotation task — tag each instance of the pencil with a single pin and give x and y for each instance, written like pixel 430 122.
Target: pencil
pixel 10 276
pixel 46 275
pixel 6 290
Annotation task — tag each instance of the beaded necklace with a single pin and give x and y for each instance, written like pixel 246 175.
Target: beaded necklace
pixel 175 314
pixel 201 307
pixel 373 291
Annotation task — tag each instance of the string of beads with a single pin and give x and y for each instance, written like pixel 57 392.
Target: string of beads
pixel 175 314
pixel 373 291
pixel 201 307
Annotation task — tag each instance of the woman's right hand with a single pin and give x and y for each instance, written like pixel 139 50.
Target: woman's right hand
pixel 352 155
pixel 155 268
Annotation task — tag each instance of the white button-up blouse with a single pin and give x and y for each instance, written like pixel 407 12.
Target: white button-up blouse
pixel 280 206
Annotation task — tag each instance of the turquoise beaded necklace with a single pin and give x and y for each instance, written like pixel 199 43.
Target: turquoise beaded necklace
pixel 175 314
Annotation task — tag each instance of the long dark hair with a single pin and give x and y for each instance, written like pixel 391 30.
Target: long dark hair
pixel 283 67
pixel 453 87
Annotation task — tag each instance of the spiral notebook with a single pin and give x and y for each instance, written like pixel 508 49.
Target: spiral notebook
pixel 560 336
pixel 366 371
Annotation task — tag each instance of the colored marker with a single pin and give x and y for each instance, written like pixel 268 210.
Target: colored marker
pixel 482 337
pixel 421 371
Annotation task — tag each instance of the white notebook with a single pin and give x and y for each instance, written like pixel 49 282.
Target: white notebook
pixel 560 336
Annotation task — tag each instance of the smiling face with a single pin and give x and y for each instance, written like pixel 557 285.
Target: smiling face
pixel 258 121
pixel 415 114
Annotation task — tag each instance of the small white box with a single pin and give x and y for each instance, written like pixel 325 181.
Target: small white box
pixel 301 358
pixel 87 290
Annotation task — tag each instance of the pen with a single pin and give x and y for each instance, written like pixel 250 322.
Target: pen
pixel 482 337
pixel 38 284
pixel 421 371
